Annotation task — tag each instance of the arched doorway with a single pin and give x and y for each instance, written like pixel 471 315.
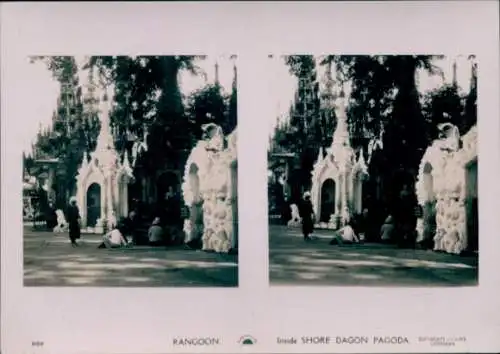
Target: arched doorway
pixel 196 209
pixel 93 204
pixel 327 200
pixel 472 207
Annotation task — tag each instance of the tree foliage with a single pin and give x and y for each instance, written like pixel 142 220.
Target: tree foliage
pixel 443 105
pixel 73 130
pixel 384 101
pixel 147 98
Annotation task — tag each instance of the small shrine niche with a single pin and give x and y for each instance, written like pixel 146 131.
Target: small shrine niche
pixel 103 180
pixel 338 177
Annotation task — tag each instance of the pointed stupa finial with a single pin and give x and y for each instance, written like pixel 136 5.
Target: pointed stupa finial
pixel 361 159
pixel 320 155
pixel 85 159
pixel 126 162
pixel 341 133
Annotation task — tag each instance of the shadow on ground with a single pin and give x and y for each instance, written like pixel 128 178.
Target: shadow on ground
pixel 49 260
pixel 295 262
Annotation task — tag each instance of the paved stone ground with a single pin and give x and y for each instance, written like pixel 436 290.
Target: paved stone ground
pixel 296 262
pixel 49 260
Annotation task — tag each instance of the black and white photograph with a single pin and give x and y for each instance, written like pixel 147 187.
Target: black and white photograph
pixel 372 170
pixel 249 177
pixel 130 171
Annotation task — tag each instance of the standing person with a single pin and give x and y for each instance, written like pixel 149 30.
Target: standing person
pixel 73 218
pixel 362 225
pixel 307 214
pixel 51 217
pixel 129 227
pixel 406 219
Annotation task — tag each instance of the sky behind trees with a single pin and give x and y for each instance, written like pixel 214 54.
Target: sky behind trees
pixel 43 90
pixel 284 84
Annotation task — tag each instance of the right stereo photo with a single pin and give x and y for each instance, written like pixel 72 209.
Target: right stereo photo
pixel 372 170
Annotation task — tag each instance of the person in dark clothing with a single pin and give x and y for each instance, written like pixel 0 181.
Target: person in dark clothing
pixel 73 218
pixel 363 226
pixel 51 217
pixel 286 214
pixel 406 219
pixel 128 226
pixel 307 215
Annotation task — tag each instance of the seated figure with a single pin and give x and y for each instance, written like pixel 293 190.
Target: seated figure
pixel 345 235
pixel 296 220
pixel 155 233
pixel 387 230
pixel 113 239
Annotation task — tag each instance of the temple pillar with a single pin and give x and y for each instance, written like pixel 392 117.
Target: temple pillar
pixel 338 194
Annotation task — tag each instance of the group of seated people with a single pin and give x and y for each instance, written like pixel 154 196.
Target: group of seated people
pixel 127 230
pixel 357 228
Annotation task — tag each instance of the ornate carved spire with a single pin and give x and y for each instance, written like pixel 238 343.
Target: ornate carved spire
pixel 126 162
pixel 361 160
pixel 341 133
pixel 85 159
pixel 105 139
pixel 320 155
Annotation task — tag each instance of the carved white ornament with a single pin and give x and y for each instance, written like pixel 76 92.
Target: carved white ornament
pixel 209 190
pixel 441 188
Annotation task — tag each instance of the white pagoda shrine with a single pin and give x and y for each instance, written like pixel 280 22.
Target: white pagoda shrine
pixel 446 190
pixel 102 180
pixel 337 176
pixel 210 190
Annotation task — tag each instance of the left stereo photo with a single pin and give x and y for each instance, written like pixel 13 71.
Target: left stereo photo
pixel 130 172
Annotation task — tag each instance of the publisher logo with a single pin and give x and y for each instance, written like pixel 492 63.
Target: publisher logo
pixel 247 340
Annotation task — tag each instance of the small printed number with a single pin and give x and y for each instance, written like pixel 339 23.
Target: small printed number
pixel 37 344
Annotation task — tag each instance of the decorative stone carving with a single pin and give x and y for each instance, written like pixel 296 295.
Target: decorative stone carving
pixel 112 176
pixel 442 188
pixel 210 191
pixel 340 165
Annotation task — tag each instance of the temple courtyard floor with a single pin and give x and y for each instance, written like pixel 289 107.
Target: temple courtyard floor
pixel 296 262
pixel 49 260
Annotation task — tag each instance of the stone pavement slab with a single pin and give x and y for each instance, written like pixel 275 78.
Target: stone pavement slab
pixel 50 260
pixel 296 262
